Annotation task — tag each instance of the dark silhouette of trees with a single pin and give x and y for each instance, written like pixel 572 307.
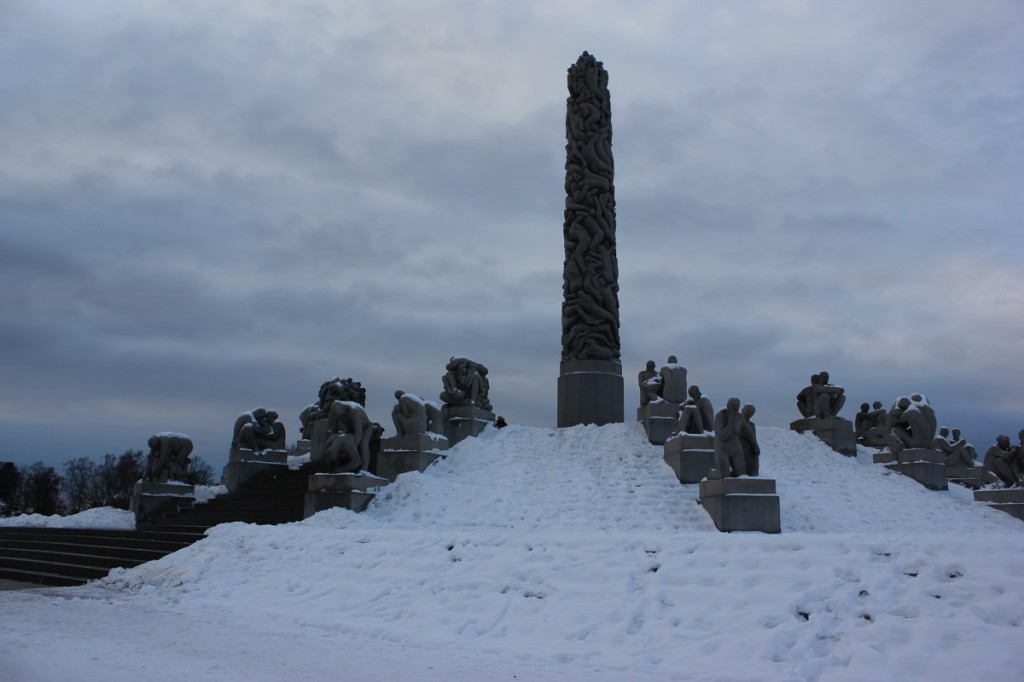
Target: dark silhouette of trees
pixel 10 484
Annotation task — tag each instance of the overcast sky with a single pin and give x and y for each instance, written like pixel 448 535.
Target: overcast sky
pixel 210 207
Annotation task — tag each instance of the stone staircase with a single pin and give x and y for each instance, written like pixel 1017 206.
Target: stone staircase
pixel 56 556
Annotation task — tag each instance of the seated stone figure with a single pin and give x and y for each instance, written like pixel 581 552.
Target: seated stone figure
pixel 348 442
pixel 465 383
pixel 642 378
pixel 913 422
pixel 1003 462
pixel 168 458
pixel 954 452
pixel 821 399
pixel 805 398
pixel 971 451
pixel 673 381
pixel 729 430
pixel 874 428
pixel 410 414
pixel 696 415
pixel 258 430
pixel 751 450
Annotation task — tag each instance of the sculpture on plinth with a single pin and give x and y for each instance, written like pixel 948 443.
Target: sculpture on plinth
pixel 1004 464
pixel 649 382
pixel 873 427
pixel 258 430
pixel 590 377
pixel 673 381
pixel 819 404
pixel 465 384
pixel 467 406
pixel 729 426
pixel 751 450
pixel 913 423
pixel 409 414
pixel 696 415
pixel 168 457
pixel 954 451
pixel 347 447
pixel 419 437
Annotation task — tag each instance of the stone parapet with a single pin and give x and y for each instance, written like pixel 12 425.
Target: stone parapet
pixel 351 491
pixel 151 500
pixel 659 418
pixel 461 422
pixel 414 442
pixel 928 474
pixel 835 432
pixel 1009 500
pixel 742 504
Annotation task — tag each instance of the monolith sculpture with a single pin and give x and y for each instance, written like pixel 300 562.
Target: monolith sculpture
pixel 590 379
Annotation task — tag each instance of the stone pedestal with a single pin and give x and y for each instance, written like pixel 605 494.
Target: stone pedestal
pixel 691 456
pixel 352 491
pixel 245 467
pixel 1009 500
pixel 412 452
pixel 659 418
pixel 924 465
pixel 303 446
pixel 464 421
pixel 590 392
pixel 967 476
pixel 742 504
pixel 835 432
pixel 153 500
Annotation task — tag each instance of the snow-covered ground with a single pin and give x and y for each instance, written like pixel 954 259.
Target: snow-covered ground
pixel 571 554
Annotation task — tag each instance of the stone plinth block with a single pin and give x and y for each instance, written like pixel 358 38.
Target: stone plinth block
pixel 411 452
pixel 464 421
pixel 748 504
pixel 393 463
pixel 835 432
pixel 590 392
pixel 690 441
pixel 928 474
pixel 351 491
pixel 152 500
pixel 883 458
pixel 968 476
pixel 908 455
pixel 415 442
pixel 659 418
pixel 1009 500
pixel 245 467
pixel 303 446
pixel 690 466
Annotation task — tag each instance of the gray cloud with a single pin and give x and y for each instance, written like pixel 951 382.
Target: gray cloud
pixel 206 208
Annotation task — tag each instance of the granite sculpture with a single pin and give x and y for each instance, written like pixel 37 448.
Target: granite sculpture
pixel 649 382
pixel 465 384
pixel 821 399
pixel 168 457
pixel 913 423
pixel 409 414
pixel 696 415
pixel 751 450
pixel 349 429
pixel 1004 463
pixel 673 381
pixel 729 427
pixel 873 427
pixel 590 377
pixel 955 452
pixel 258 430
pixel 333 389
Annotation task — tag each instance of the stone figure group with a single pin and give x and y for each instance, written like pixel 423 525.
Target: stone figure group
pixel 1004 463
pixel 821 399
pixel 168 457
pixel 736 450
pixel 412 414
pixel 909 423
pixel 696 415
pixel 465 384
pixel 331 390
pixel 349 431
pixel 668 384
pixel 258 430
pixel 956 451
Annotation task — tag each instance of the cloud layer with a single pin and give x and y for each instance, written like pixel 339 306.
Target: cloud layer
pixel 210 207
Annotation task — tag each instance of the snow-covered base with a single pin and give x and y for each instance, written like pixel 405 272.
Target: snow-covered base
pixel 106 518
pixel 572 554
